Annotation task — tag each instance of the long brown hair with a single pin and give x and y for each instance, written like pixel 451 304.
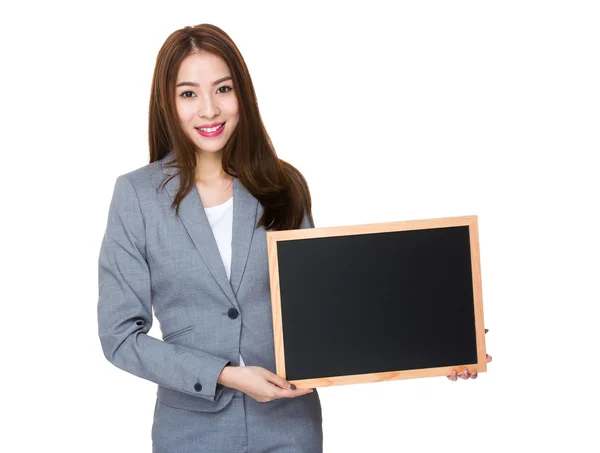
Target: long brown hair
pixel 248 155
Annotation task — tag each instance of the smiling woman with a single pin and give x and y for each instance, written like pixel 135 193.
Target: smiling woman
pixel 203 107
pixel 205 94
pixel 186 241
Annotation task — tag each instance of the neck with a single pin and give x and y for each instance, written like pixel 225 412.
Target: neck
pixel 209 169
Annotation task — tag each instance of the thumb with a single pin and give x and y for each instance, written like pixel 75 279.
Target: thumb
pixel 280 382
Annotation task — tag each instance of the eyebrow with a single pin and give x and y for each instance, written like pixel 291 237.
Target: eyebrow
pixel 193 84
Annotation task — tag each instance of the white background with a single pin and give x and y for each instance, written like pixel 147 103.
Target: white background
pixel 392 111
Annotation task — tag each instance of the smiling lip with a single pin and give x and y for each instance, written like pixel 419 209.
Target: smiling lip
pixel 211 134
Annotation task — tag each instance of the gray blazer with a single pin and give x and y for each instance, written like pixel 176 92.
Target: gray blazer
pixel 152 260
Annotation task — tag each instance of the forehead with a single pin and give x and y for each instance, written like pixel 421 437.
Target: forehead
pixel 203 66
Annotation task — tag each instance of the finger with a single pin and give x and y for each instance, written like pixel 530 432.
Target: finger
pixel 488 358
pixel 473 375
pixel 280 382
pixel 294 393
pixel 297 390
pixel 453 376
pixel 464 374
pixel 286 389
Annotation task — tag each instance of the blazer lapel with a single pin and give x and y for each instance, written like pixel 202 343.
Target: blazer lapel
pixel 245 207
pixel 193 217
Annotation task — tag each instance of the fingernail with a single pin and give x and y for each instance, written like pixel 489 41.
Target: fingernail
pixel 292 387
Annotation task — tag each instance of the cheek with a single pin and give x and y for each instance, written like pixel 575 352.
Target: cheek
pixel 231 106
pixel 185 112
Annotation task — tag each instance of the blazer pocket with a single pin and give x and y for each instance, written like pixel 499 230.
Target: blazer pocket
pixel 177 333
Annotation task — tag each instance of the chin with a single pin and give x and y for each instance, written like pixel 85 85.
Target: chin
pixel 213 148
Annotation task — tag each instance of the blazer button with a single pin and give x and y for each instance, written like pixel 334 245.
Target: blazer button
pixel 197 386
pixel 233 313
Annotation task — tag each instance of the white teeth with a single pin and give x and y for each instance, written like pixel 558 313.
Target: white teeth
pixel 211 129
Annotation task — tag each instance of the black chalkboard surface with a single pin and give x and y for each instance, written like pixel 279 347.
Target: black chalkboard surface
pixel 377 302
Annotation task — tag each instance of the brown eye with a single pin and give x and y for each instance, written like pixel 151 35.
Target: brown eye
pixel 224 86
pixel 184 93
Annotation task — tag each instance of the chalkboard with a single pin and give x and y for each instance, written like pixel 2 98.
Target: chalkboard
pixel 376 302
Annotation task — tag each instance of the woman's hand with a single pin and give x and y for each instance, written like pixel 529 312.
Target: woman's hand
pixel 465 374
pixel 259 383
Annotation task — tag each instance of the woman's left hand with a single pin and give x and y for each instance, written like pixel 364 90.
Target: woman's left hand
pixel 465 374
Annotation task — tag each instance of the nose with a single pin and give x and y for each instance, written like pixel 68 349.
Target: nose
pixel 208 108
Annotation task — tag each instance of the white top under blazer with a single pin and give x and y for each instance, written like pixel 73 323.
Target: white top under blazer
pixel 220 218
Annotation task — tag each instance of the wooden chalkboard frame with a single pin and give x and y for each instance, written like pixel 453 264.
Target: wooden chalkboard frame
pixel 273 237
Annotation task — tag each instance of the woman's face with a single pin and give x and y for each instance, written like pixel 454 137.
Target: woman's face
pixel 205 100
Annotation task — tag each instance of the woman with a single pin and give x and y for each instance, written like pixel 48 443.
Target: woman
pixel 186 236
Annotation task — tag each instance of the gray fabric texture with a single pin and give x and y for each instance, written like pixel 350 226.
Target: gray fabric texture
pixel 152 261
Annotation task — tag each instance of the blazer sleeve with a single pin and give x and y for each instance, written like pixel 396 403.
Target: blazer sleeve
pixel 125 308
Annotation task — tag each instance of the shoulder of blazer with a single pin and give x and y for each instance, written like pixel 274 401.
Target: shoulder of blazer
pixel 149 175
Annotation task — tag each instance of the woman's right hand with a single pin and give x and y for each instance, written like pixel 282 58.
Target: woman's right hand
pixel 259 383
